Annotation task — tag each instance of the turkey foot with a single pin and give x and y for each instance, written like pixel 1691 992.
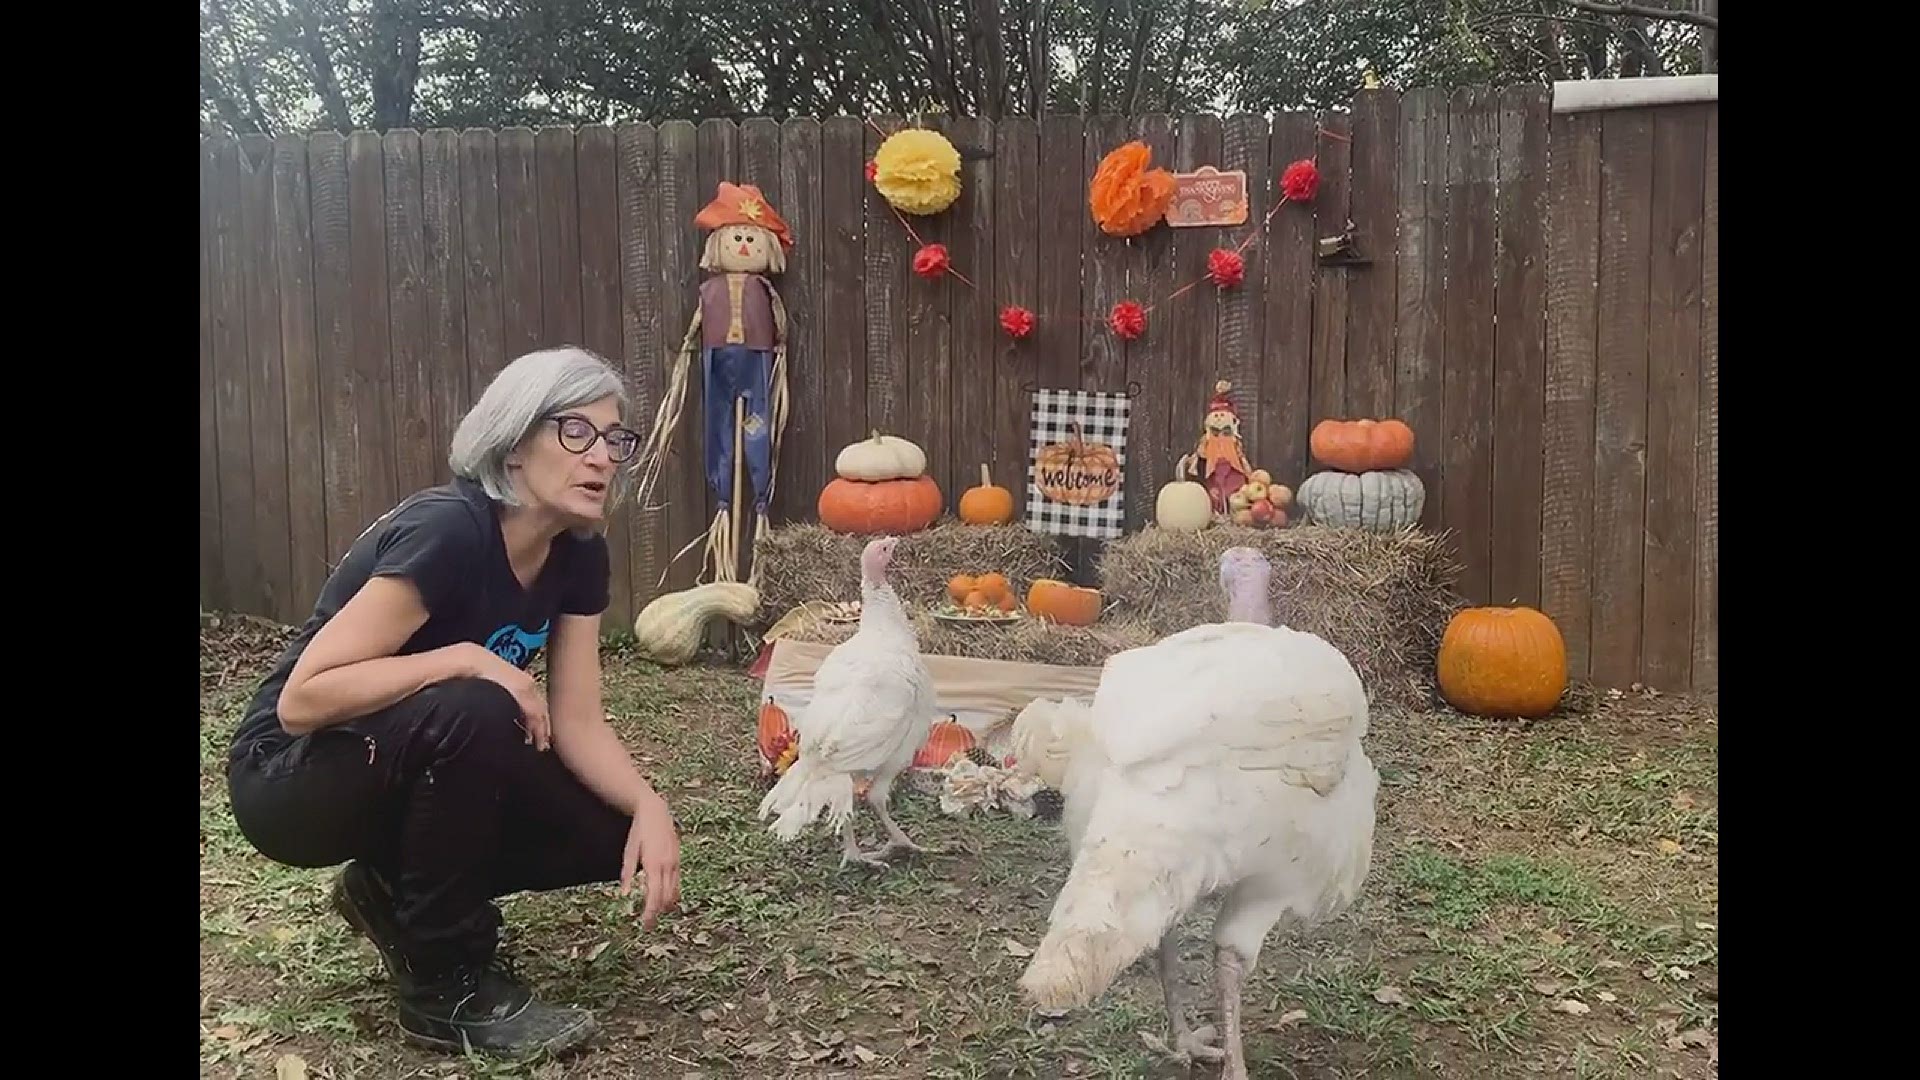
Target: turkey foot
pixel 1188 1045
pixel 896 838
pixel 850 853
pixel 1231 971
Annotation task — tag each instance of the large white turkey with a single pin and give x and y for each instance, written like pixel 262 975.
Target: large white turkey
pixel 1224 759
pixel 872 708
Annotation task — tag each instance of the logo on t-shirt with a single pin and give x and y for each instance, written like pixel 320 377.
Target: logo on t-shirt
pixel 517 646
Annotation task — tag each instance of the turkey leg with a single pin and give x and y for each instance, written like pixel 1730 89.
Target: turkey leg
pixel 850 852
pixel 1231 971
pixel 897 840
pixel 1188 1045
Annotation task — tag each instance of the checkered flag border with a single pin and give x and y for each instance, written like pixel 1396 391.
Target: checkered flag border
pixel 1103 419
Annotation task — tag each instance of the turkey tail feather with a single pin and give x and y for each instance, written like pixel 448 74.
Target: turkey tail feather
pixel 802 793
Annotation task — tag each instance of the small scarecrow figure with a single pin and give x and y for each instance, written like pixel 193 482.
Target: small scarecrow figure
pixel 740 330
pixel 1219 461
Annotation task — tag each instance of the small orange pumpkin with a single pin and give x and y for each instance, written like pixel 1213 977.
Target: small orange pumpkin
pixel 945 740
pixel 986 504
pixel 1068 605
pixel 1502 662
pixel 879 506
pixel 959 586
pixel 775 733
pixel 994 584
pixel 1358 446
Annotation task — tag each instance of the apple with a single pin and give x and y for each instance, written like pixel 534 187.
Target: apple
pixel 1261 476
pixel 1280 495
pixel 1279 519
pixel 1243 517
pixel 1255 492
pixel 1263 512
pixel 1239 501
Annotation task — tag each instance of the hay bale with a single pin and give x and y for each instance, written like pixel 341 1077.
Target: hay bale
pixel 1030 641
pixel 1382 599
pixel 810 562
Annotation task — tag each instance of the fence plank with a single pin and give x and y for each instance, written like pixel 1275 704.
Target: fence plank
pixel 1706 467
pixel 335 325
pixel 803 451
pixel 645 357
pixel 1620 422
pixel 1673 392
pixel 414 448
pixel 372 362
pixel 842 361
pixel 972 373
pixel 556 178
pixel 1466 479
pixel 1519 378
pixel 1154 432
pixel 1331 211
pixel 683 479
pixel 1111 270
pixel 601 331
pixel 444 285
pixel 1192 319
pixel 213 585
pixel 1370 290
pixel 886 303
pixel 300 363
pixel 1419 346
pixel 1567 437
pixel 483 265
pixel 718 143
pixel 266 381
pixel 1241 315
pixel 760 166
pixel 1062 203
pixel 520 304
pixel 927 348
pixel 1286 376
pixel 1016 270
pixel 231 400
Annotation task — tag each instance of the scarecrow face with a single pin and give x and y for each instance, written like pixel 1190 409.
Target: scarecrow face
pixel 743 249
pixel 1221 422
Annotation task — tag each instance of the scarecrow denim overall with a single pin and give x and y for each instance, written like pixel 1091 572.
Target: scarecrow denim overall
pixel 731 372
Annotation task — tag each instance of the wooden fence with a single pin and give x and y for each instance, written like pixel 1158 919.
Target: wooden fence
pixel 1540 304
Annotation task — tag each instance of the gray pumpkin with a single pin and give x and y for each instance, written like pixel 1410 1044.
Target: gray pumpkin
pixel 1385 501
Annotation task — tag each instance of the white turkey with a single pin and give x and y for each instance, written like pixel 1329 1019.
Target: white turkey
pixel 872 708
pixel 1222 760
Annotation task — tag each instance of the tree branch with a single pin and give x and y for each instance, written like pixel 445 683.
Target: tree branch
pixel 1647 11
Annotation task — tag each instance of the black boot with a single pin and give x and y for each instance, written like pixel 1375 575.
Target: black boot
pixel 478 1007
pixel 487 1010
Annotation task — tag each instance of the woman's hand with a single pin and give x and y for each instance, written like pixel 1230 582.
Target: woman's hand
pixel 524 688
pixel 653 845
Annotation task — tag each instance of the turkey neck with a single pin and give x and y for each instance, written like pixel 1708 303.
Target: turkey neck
pixel 880 607
pixel 1248 604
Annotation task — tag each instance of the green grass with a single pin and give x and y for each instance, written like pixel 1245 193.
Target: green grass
pixel 781 965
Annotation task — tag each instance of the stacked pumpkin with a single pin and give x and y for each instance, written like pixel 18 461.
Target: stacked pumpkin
pixel 880 486
pixel 1367 484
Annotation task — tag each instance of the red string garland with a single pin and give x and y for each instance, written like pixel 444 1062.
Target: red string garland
pixel 1226 268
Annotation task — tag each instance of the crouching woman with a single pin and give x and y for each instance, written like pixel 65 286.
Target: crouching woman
pixel 402 735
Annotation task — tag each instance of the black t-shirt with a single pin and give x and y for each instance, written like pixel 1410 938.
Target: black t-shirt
pixel 447 541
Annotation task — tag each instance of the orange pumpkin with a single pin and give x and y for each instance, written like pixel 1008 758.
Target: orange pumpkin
pixel 879 506
pixel 1358 446
pixel 960 586
pixel 986 504
pixel 1069 605
pixel 945 740
pixel 1503 662
pixel 976 601
pixel 993 584
pixel 775 732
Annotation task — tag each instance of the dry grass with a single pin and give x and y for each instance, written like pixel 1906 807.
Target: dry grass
pixel 1383 600
pixel 809 562
pixel 1031 641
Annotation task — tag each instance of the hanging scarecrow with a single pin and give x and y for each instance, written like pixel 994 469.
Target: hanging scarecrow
pixel 739 328
pixel 1219 461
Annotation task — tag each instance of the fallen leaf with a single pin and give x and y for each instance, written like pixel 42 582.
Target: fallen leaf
pixel 1551 939
pixel 799 1055
pixel 1668 847
pixel 1390 995
pixel 759 1049
pixel 1581 830
pixel 1549 987
pixel 1679 973
pixel 594 953
pixel 1607 996
pixel 1290 1017
pixel 1572 1007
pixel 866 1056
pixel 642 1029
pixel 703 938
pixel 1015 949
pixel 1682 800
pixel 227 1032
pixel 1694 1037
pixel 709 1016
pixel 290 1067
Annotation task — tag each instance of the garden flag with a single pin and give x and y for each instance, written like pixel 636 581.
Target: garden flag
pixel 1076 485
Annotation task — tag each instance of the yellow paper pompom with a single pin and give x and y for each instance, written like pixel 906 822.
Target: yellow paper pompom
pixel 917 171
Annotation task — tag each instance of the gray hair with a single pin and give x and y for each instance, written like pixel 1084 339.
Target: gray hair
pixel 524 394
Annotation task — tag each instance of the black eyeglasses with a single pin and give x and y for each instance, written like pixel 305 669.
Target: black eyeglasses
pixel 577 435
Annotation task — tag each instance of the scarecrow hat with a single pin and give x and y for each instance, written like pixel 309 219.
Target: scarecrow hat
pixel 1221 402
pixel 742 204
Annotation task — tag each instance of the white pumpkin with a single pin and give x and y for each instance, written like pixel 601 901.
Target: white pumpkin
pixel 1183 506
pixel 882 457
pixel 668 630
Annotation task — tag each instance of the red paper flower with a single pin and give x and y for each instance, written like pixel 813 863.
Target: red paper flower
pixel 872 171
pixel 1301 181
pixel 930 261
pixel 1226 267
pixel 1128 319
pixel 1016 321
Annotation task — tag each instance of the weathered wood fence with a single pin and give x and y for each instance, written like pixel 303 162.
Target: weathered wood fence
pixel 1540 304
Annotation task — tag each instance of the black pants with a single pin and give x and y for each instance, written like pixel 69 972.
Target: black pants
pixel 442 795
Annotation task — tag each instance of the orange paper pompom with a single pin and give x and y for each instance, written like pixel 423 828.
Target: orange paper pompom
pixel 1126 197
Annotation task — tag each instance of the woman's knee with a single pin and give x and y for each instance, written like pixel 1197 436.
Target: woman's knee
pixel 470 713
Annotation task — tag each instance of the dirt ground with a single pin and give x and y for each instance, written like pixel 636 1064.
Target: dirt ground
pixel 1544 902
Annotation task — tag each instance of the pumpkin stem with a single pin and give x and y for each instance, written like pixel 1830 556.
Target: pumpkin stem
pixel 986 478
